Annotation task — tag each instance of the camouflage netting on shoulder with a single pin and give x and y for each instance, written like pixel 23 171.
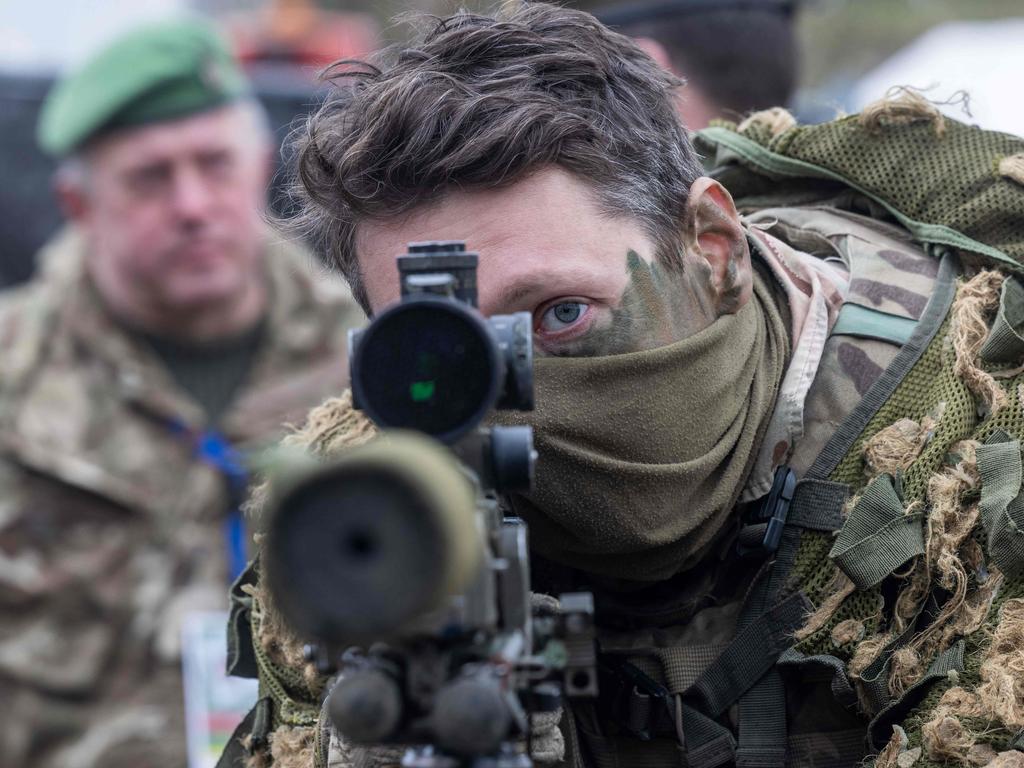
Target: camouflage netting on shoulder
pixel 297 737
pixel 928 436
pixel 946 181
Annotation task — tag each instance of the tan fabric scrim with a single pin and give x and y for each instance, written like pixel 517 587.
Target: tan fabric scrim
pixel 894 448
pixel 1001 693
pixel 897 746
pixel 642 455
pixel 332 427
pixel 1012 168
pixel 976 302
pixel 901 106
pixel 775 121
pixel 292 747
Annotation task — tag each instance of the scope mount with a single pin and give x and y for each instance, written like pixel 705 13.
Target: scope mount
pixel 432 264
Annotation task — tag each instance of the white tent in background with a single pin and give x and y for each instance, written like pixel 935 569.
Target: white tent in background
pixel 984 59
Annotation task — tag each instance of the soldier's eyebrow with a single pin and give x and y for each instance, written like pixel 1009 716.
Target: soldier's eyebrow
pixel 516 292
pixel 567 281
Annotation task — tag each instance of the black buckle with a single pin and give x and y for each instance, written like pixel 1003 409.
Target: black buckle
pixel 762 531
pixel 633 685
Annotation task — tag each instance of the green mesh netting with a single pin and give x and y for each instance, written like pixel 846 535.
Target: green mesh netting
pixel 929 383
pixel 944 187
pixel 988 732
pixel 296 701
pixel 950 179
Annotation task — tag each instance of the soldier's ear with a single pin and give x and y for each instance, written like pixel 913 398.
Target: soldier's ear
pixel 713 232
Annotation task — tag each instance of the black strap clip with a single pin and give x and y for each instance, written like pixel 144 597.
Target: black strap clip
pixel 641 703
pixel 762 529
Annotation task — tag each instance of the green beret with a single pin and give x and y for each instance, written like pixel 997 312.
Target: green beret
pixel 158 72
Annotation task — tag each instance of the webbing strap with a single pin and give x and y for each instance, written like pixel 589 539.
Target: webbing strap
pixel 1005 343
pixel 857 320
pixel 235 755
pixel 749 656
pixel 762 727
pixel 874 680
pixel 682 665
pixel 241 661
pixel 950 660
pixel 620 753
pixel 1002 504
pixel 641 712
pixel 818 505
pixel 841 687
pixel 1017 742
pixel 707 743
pixel 831 749
pixel 762 707
pixel 699 742
pixel 262 722
pixel 878 537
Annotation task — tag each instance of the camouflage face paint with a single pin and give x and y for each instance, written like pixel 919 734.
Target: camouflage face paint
pixel 661 304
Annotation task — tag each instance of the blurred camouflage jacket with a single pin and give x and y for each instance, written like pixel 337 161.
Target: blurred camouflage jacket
pixel 673 634
pixel 110 528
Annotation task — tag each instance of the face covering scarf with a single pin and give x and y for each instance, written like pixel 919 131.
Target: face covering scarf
pixel 642 455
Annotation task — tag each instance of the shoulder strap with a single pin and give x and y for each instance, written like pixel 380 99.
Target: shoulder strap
pixel 858 320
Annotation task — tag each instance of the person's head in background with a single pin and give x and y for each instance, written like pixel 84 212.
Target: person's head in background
pixel 735 56
pixel 164 158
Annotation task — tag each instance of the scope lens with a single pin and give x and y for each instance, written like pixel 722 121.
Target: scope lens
pixel 428 366
pixel 355 556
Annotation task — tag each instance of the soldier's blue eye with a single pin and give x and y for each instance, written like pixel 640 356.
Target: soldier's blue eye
pixel 567 313
pixel 559 316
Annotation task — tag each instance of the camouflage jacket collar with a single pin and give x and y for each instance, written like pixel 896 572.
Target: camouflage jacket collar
pixel 85 384
pixel 294 329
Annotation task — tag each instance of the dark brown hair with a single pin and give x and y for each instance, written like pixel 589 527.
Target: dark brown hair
pixel 481 102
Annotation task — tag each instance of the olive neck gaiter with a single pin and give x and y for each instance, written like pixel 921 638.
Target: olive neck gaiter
pixel 643 455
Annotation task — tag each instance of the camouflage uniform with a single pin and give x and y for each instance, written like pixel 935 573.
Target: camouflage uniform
pixel 110 527
pixel 888 275
pixel 890 623
pixel 878 269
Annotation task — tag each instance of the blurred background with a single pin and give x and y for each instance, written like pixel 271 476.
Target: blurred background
pixel 849 53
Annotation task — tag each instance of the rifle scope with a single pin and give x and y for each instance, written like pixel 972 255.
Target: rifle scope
pixel 396 558
pixel 432 363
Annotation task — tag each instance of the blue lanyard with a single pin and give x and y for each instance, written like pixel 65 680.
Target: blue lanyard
pixel 214 450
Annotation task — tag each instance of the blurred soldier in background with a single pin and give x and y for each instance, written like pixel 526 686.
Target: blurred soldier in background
pixel 736 56
pixel 157 348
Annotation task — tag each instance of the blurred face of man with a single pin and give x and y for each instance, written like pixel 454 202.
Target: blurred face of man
pixel 696 108
pixel 172 216
pixel 592 283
